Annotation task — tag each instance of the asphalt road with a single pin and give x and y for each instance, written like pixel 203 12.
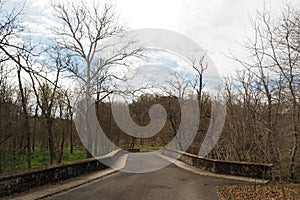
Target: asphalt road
pixel 171 183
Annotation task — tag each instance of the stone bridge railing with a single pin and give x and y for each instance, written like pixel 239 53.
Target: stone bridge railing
pixel 23 181
pixel 245 169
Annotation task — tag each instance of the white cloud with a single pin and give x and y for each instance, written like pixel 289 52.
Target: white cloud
pixel 217 25
pixel 221 25
pixel 149 14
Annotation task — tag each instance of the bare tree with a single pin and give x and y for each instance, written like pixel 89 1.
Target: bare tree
pixel 47 92
pixel 83 29
pixel 275 53
pixel 19 54
pixel 279 40
pixel 199 66
pixel 5 99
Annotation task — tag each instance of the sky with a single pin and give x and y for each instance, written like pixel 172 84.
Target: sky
pixel 218 26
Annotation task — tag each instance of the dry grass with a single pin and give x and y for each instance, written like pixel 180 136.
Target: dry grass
pixel 269 192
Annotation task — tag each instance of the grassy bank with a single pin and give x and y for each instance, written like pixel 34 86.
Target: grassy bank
pixel 40 158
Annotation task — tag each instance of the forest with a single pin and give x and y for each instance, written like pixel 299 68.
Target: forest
pixel 38 91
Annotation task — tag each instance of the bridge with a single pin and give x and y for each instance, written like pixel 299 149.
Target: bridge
pixel 176 181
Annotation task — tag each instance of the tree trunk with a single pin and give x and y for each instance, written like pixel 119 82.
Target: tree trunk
pixel 292 175
pixel 26 122
pixel 132 143
pixel 295 117
pixel 293 156
pixel 34 127
pixel 62 146
pixel 50 140
pixel 1 138
pixel 1 171
pixel 71 135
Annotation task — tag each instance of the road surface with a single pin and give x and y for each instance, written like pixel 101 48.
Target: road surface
pixel 171 183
